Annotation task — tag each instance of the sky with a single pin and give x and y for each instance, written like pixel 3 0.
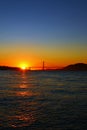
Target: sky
pixel 35 30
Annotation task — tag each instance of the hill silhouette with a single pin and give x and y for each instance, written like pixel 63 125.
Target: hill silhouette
pixel 8 68
pixel 77 67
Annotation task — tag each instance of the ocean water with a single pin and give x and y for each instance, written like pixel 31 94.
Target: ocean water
pixel 43 100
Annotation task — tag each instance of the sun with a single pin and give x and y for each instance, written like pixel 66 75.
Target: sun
pixel 23 66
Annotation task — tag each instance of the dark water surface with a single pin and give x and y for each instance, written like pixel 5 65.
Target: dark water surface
pixel 43 100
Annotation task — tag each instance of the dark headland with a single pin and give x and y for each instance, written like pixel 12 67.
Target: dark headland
pixel 8 68
pixel 76 67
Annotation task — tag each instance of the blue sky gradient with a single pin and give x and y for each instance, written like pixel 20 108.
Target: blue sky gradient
pixel 43 20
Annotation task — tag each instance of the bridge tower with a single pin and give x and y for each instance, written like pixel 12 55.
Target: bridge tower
pixel 43 65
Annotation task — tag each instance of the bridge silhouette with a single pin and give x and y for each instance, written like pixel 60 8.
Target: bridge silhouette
pixel 43 67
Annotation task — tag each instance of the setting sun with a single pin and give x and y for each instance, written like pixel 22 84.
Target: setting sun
pixel 23 66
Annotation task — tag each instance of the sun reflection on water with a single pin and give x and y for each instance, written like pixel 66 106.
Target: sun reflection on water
pixel 24 78
pixel 24 93
pixel 23 86
pixel 22 120
pixel 26 111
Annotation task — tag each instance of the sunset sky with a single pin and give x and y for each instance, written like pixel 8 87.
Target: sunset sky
pixel 35 30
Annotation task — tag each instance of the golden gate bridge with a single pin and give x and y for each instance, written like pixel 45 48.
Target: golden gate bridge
pixel 43 67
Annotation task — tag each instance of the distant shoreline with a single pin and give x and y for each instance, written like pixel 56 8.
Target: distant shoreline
pixel 72 67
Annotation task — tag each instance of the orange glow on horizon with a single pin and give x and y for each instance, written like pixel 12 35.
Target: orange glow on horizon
pixel 29 55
